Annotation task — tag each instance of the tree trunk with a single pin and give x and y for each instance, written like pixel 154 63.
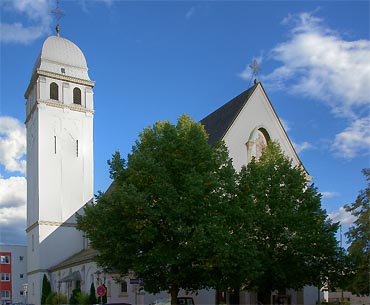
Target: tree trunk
pixel 264 297
pixel 234 296
pixel 174 292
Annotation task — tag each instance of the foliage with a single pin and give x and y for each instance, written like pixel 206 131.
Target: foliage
pixel 359 237
pixel 92 295
pixel 296 242
pixel 170 214
pixel 83 299
pixel 74 297
pixel 179 216
pixel 46 289
pixel 55 298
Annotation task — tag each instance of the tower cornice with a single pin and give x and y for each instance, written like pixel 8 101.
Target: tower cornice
pixel 50 223
pixel 57 104
pixel 67 78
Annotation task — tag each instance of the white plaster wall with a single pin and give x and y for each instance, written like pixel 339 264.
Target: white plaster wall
pixel 32 170
pixel 65 178
pixel 34 288
pixel 256 113
pixel 310 295
pixel 33 259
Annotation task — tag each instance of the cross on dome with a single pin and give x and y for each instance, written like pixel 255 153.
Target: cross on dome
pixel 58 14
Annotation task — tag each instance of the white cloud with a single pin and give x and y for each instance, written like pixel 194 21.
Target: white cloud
pixel 12 144
pixel 13 198
pixel 285 124
pixel 318 63
pixel 36 24
pixel 86 4
pixel 12 192
pixel 301 147
pixel 190 12
pixel 354 140
pixel 329 194
pixel 342 216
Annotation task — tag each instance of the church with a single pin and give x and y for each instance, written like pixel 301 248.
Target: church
pixel 60 173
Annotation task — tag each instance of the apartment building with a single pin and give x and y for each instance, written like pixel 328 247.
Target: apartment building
pixel 13 274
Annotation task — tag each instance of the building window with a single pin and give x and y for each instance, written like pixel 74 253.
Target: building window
pixel 54 91
pixel 261 142
pixel 21 258
pixel 21 275
pixel 124 287
pixel 21 292
pixel 5 259
pixel 77 96
pixel 76 148
pixel 258 141
pixel 5 294
pixel 5 277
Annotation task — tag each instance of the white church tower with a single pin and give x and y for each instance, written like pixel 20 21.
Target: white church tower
pixel 59 121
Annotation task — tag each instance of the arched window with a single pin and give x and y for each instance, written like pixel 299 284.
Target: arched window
pixel 258 140
pixel 77 96
pixel 54 91
pixel 262 139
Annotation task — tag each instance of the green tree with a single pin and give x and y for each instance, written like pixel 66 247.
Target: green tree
pixel 46 289
pixel 92 295
pixel 167 216
pixel 74 297
pixel 83 299
pixel 296 242
pixel 359 237
pixel 55 298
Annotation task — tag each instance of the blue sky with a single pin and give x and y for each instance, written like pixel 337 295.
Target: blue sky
pixel 155 60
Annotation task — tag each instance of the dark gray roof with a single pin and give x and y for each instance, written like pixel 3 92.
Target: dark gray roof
pixel 81 257
pixel 218 122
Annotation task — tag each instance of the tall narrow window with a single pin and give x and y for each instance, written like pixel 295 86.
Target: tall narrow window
pixel 76 148
pixel 55 144
pixel 124 286
pixel 77 96
pixel 54 91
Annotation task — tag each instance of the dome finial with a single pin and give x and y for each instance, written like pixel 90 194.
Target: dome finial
pixel 57 28
pixel 58 13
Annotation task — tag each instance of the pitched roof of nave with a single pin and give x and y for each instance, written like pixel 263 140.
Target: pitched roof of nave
pixel 219 121
pixel 79 258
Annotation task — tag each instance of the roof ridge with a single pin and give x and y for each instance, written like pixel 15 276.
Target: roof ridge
pixel 219 121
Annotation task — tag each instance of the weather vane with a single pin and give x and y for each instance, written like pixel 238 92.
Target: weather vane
pixel 255 69
pixel 58 13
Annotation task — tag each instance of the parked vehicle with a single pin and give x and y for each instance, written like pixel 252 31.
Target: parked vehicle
pixel 180 301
